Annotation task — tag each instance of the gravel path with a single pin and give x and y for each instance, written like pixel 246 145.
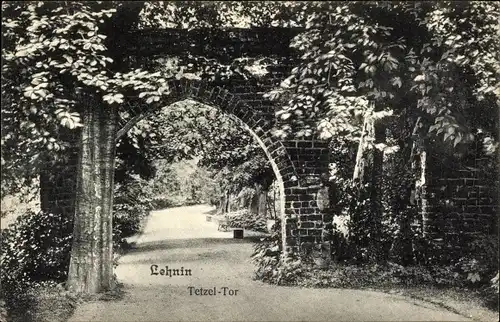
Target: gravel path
pixel 181 238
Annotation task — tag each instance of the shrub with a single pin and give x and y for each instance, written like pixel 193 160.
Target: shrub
pixel 131 206
pixel 159 203
pixel 271 266
pixel 36 247
pixel 43 302
pixel 244 219
pixel 267 254
pixel 127 219
pixel 494 284
pixel 491 293
pixel 35 250
pixel 363 236
pixel 482 258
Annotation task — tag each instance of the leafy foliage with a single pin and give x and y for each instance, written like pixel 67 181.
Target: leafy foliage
pixel 216 14
pixel 132 204
pixel 55 56
pixel 494 285
pixel 190 130
pixel 35 249
pixel 66 52
pixel 415 72
pixel 430 65
pixel 421 57
pixel 181 183
pixel 272 267
pixel 244 219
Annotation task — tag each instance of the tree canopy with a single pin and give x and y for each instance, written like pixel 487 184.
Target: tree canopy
pixel 187 130
pixel 433 60
pixel 57 54
pixel 434 63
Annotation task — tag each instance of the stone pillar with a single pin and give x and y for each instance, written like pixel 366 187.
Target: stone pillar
pixel 304 217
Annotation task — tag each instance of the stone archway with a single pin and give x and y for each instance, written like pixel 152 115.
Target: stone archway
pixel 82 187
pixel 299 163
pixel 250 119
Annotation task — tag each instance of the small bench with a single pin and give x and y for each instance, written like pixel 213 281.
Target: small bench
pixel 238 233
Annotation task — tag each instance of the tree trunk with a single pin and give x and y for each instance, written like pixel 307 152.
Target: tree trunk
pixel 255 201
pixel 228 204
pixel 263 203
pixel 423 193
pixel 360 162
pixel 376 210
pixel 222 204
pixel 91 264
pixel 404 245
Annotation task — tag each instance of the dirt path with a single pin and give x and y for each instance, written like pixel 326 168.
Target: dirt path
pixel 181 238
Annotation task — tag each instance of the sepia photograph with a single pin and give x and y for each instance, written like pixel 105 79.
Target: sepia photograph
pixel 250 161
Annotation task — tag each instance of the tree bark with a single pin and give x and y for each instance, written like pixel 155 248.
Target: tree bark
pixel 224 203
pixel 360 163
pixel 255 200
pixel 263 203
pixel 423 192
pixel 376 210
pixel 91 264
pixel 228 204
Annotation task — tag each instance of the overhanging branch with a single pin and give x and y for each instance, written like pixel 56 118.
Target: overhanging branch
pixel 130 124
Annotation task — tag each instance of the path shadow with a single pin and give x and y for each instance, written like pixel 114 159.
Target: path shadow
pixel 189 243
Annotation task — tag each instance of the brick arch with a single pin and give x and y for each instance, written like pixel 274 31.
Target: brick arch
pixel 88 166
pixel 251 119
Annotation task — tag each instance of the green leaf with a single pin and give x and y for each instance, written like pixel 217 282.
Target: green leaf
pixel 396 81
pixel 419 78
pixel 113 98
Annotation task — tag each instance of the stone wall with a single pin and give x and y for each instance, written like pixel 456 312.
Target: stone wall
pixel 462 202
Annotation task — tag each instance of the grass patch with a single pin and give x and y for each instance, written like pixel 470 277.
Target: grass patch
pixel 43 304
pixel 51 304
